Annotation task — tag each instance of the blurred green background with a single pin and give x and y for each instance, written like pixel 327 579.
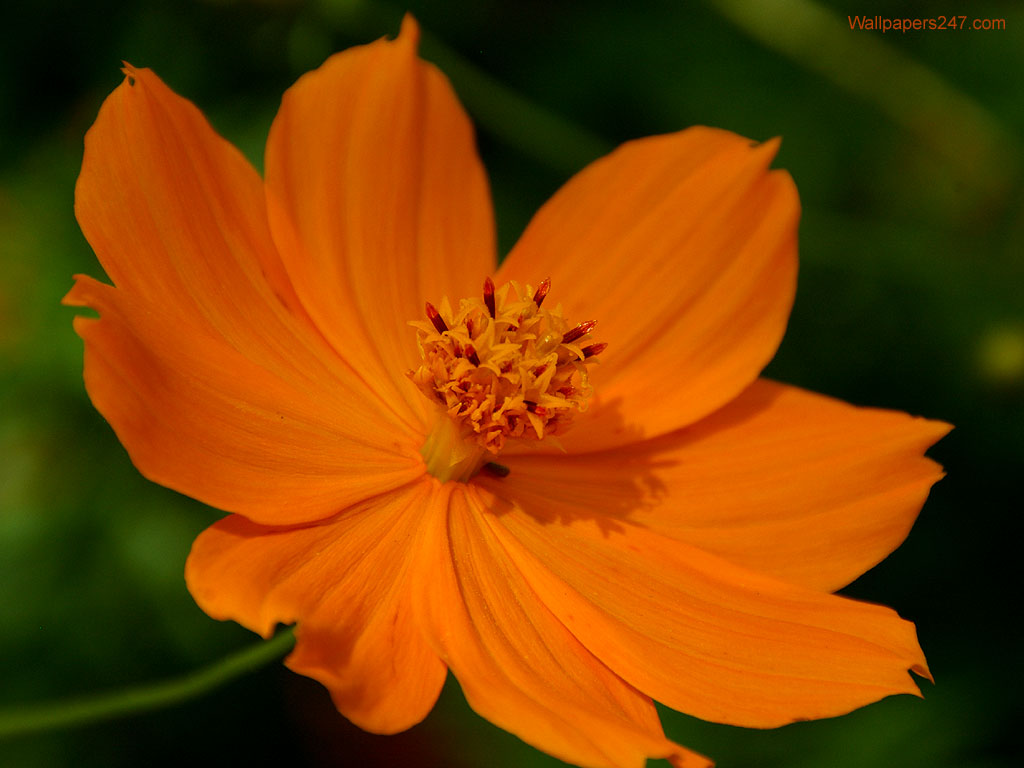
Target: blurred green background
pixel 907 152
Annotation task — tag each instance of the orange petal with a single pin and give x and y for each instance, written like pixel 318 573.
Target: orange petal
pixel 781 481
pixel 378 203
pixel 683 248
pixel 347 582
pixel 199 417
pixel 698 633
pixel 517 664
pixel 203 361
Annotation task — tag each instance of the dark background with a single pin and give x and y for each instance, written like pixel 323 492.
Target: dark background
pixel 907 152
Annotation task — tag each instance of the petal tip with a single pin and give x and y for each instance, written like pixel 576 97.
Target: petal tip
pixel 686 758
pixel 84 291
pixel 771 146
pixel 72 298
pixel 921 670
pixel 131 72
pixel 939 429
pixel 409 33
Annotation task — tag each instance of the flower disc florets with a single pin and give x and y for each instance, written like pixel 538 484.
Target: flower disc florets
pixel 504 366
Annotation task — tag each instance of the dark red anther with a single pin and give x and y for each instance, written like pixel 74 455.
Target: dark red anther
pixel 435 317
pixel 594 349
pixel 568 390
pixel 540 369
pixel 496 469
pixel 542 291
pixel 580 330
pixel 471 354
pixel 532 407
pixel 489 296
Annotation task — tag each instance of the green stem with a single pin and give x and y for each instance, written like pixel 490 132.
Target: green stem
pixel 21 720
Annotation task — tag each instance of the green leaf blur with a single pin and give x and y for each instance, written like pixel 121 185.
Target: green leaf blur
pixel 911 297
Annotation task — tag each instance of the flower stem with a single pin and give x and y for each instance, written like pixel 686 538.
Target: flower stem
pixel 21 720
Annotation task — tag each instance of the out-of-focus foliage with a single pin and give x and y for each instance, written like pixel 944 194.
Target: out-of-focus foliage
pixel 911 297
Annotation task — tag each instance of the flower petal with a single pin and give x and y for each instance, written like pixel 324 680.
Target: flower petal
pixel 378 203
pixel 347 582
pixel 202 360
pixel 698 633
pixel 683 248
pixel 781 481
pixel 518 665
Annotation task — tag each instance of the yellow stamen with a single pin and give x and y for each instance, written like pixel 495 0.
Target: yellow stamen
pixel 500 368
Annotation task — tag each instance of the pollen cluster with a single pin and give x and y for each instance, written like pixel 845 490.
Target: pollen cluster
pixel 503 366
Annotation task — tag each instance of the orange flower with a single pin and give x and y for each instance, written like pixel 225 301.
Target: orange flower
pixel 659 522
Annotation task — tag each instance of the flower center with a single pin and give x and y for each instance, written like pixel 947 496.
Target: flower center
pixel 503 367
